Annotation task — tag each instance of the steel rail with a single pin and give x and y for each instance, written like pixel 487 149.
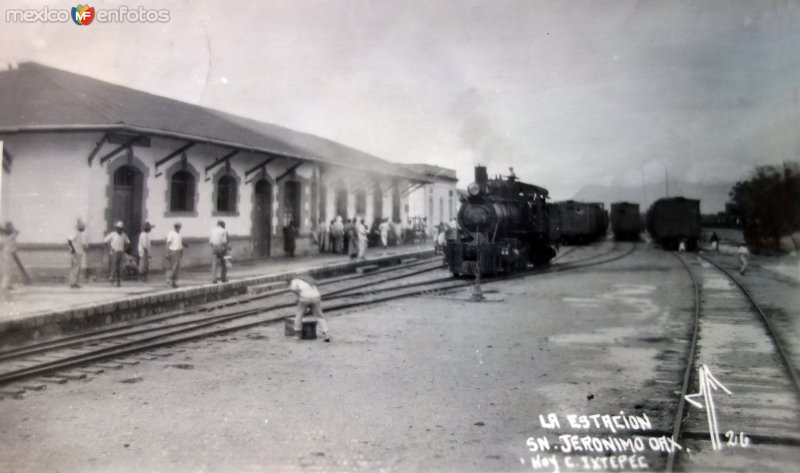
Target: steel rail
pixel 771 330
pixel 687 375
pixel 123 330
pixel 159 341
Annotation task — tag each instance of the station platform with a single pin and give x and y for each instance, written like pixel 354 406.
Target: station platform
pixel 40 310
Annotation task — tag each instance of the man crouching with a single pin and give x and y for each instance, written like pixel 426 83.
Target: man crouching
pixel 305 287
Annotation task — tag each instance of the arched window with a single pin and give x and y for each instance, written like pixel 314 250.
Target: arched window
pixel 182 186
pixel 226 194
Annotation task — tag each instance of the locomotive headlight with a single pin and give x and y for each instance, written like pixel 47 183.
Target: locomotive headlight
pixel 473 189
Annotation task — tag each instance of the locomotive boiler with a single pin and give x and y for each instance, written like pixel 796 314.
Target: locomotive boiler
pixel 503 224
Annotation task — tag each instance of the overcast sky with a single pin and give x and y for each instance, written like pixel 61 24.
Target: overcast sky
pixel 569 93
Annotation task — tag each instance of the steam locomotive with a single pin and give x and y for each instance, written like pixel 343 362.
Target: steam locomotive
pixel 503 224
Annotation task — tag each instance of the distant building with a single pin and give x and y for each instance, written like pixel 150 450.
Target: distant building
pixel 436 201
pixel 77 147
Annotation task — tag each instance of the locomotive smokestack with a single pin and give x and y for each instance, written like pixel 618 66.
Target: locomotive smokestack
pixel 481 177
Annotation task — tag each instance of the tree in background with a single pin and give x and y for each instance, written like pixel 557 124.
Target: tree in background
pixel 768 205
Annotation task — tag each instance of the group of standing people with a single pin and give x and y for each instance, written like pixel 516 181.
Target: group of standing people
pixel 442 233
pixel 118 245
pixel 343 237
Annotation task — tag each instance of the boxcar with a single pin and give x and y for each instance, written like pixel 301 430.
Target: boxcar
pixel 581 222
pixel 626 223
pixel 674 219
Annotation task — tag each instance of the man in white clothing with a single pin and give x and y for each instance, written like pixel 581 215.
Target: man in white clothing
pixel 144 251
pixel 174 254
pixel 743 253
pixel 308 295
pixel 219 249
pixel 77 251
pixel 361 232
pixel 383 228
pixel 117 242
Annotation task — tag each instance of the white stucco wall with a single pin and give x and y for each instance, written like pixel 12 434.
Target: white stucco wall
pixel 51 185
pixel 419 199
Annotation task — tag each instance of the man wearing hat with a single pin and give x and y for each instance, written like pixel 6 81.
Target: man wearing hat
pixel 8 246
pixel 219 248
pixel 117 242
pixel 144 251
pixel 308 297
pixel 174 254
pixel 77 251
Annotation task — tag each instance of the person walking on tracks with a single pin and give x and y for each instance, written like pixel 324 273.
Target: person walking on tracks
pixel 308 296
pixel 174 254
pixel 743 253
pixel 117 242
pixel 77 252
pixel 715 242
pixel 220 246
pixel 144 251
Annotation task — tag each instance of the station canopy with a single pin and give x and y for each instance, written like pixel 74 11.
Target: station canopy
pixel 38 98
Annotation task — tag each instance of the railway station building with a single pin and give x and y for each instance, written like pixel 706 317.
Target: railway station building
pixel 77 147
pixel 435 201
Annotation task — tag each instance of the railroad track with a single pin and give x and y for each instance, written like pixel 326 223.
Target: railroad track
pixel 66 358
pixel 740 396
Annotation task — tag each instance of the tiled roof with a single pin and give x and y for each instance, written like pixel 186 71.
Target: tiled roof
pixel 34 97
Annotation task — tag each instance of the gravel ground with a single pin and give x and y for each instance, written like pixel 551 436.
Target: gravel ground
pixel 430 384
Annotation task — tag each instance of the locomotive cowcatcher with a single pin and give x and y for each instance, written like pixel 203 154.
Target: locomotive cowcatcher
pixel 503 225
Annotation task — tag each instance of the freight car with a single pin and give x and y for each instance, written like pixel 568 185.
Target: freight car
pixel 674 219
pixel 626 223
pixel 503 224
pixel 582 222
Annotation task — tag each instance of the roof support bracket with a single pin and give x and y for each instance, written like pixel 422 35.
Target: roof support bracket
pixel 7 160
pixel 262 166
pixel 288 171
pixel 120 148
pixel 173 154
pixel 411 188
pixel 97 148
pixel 225 159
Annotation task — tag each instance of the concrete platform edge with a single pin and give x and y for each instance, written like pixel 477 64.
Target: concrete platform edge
pixel 55 322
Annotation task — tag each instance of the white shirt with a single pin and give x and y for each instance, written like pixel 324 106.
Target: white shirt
pixel 219 237
pixel 174 241
pixel 743 251
pixel 304 290
pixel 144 243
pixel 117 241
pixel 78 242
